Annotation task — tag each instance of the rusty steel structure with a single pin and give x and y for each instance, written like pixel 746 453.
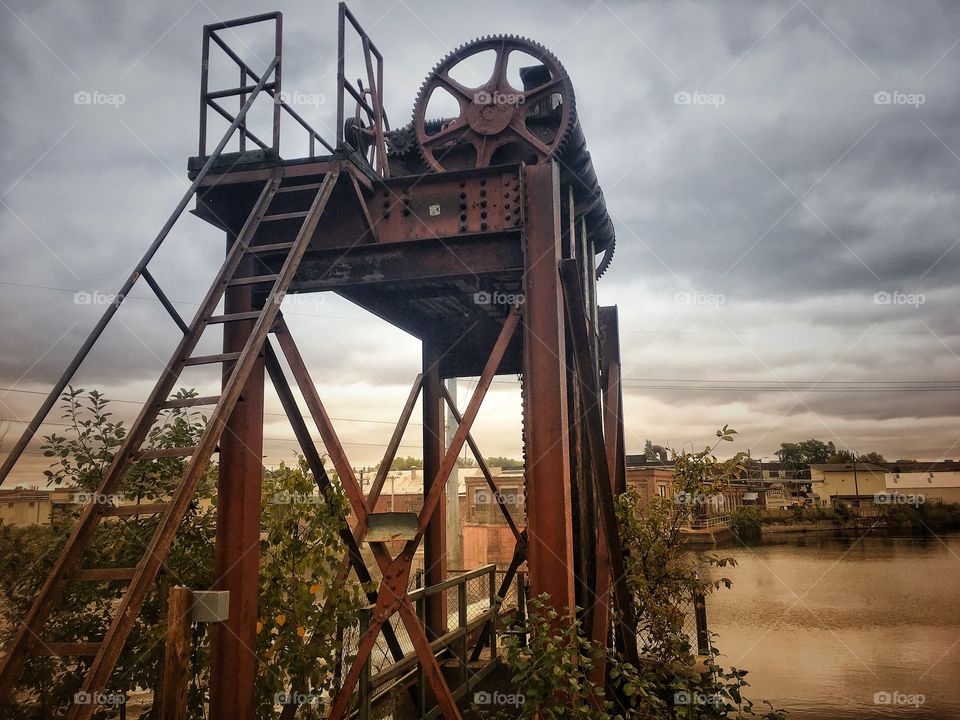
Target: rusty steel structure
pixel 482 233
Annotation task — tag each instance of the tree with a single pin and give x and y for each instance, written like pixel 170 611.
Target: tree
pixel 663 578
pixel 505 463
pixel 841 456
pixel 798 456
pixel 405 463
pixel 301 608
pixel 648 452
pixel 553 669
pixel 846 456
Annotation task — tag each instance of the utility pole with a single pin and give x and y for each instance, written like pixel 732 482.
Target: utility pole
pixel 856 486
pixel 454 529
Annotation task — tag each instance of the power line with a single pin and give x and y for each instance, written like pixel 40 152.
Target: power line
pixel 148 298
pixel 138 402
pixel 153 299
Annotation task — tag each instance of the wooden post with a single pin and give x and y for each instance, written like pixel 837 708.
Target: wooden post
pixel 176 660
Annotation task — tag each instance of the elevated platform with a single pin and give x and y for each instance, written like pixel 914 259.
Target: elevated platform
pixel 436 255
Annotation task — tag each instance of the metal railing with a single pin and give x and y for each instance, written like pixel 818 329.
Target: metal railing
pixel 209 98
pixel 705 523
pixel 370 138
pixel 368 132
pixel 467 620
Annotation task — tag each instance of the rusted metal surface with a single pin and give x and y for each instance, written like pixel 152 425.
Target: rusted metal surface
pixel 549 511
pixel 593 416
pixel 431 227
pixel 366 131
pixel 435 528
pixel 497 123
pixel 233 657
pixel 391 597
pixel 428 206
pixel 616 462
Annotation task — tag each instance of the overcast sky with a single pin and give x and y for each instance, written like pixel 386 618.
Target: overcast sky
pixel 783 179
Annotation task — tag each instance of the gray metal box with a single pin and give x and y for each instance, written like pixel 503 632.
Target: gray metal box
pixel 210 605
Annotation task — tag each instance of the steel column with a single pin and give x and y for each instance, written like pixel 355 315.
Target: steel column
pixel 434 446
pixel 586 362
pixel 233 668
pixel 549 516
pixel 616 462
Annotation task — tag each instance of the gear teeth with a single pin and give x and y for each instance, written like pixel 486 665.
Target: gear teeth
pixel 607 257
pixel 454 57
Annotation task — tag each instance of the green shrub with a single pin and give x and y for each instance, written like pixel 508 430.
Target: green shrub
pixel 746 523
pixel 300 553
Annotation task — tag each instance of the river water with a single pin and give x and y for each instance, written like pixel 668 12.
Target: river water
pixel 846 629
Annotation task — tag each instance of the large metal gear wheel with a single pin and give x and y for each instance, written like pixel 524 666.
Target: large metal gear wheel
pixel 497 122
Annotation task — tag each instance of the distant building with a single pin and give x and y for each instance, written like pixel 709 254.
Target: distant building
pixel 847 482
pixel 933 485
pixel 28 506
pixel 486 536
pixel 650 481
pixel 23 506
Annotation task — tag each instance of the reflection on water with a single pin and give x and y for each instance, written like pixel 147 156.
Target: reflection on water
pixel 824 625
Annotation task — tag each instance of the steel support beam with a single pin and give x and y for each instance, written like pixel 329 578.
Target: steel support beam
pixel 233 661
pixel 616 462
pixel 586 362
pixel 550 555
pixel 434 446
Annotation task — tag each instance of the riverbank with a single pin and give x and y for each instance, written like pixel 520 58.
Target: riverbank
pixel 751 525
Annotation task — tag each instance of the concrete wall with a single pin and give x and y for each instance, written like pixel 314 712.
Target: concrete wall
pixel 934 487
pixel 842 483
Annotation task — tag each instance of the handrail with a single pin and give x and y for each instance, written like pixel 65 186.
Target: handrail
pixel 376 117
pixel 280 106
pixel 128 284
pixel 454 641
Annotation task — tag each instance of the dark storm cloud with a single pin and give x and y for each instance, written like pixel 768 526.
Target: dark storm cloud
pixel 797 199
